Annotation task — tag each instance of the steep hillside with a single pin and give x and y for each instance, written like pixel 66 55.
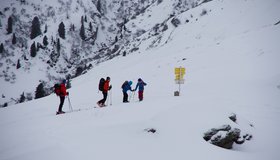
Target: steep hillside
pixel 231 54
pixel 46 41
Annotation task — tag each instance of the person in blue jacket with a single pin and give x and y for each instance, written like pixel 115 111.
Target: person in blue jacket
pixel 126 87
pixel 141 85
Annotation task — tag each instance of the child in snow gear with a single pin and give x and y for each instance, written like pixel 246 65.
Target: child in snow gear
pixel 61 92
pixel 104 87
pixel 141 85
pixel 125 87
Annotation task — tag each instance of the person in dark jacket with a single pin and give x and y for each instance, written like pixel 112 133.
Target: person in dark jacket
pixel 62 94
pixel 141 85
pixel 106 88
pixel 126 87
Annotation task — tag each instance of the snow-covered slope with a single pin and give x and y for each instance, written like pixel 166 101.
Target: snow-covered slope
pixel 48 65
pixel 231 56
pixel 111 28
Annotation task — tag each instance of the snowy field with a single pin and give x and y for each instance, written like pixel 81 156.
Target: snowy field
pixel 231 56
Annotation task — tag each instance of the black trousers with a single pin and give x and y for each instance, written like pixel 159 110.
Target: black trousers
pixel 62 98
pixel 102 101
pixel 125 97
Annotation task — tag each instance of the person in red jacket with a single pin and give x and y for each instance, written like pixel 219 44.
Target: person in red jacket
pixel 105 90
pixel 62 94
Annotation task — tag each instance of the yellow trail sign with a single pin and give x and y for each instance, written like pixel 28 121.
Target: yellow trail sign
pixel 179 78
pixel 180 70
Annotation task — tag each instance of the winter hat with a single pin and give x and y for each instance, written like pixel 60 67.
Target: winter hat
pixel 139 80
pixel 130 83
pixel 64 81
pixel 108 78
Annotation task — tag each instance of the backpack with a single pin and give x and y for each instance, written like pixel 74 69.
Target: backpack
pixel 124 84
pixel 57 89
pixel 101 84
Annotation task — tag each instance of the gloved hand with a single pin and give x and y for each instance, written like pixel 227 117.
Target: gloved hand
pixel 67 93
pixel 110 87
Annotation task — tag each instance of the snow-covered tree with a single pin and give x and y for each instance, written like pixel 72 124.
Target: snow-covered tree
pixel 90 27
pixel 35 28
pixel 18 64
pixel 40 91
pixel 72 27
pixel 82 32
pixel 46 29
pixel 45 41
pixel 22 98
pixel 14 39
pixel 58 45
pixel 1 48
pixel 82 20
pixel 85 18
pixel 98 6
pixel 82 29
pixel 33 50
pixel 61 30
pixel 10 25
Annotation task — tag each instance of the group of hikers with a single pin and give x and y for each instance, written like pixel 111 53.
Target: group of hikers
pixel 105 87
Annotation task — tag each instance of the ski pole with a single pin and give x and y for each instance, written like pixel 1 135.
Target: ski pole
pixel 107 99
pixel 111 98
pixel 130 95
pixel 133 95
pixel 70 105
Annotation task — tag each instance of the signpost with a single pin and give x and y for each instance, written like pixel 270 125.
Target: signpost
pixel 179 78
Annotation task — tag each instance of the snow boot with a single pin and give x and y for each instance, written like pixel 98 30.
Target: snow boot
pixel 60 112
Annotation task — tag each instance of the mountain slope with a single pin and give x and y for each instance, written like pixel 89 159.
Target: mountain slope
pixel 231 60
pixel 90 32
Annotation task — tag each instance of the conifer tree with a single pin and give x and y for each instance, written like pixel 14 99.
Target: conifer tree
pixel 82 20
pixel 14 40
pixel 18 64
pixel 33 50
pixel 52 40
pixel 10 25
pixel 1 48
pixel 35 28
pixel 72 27
pixel 61 30
pixel 45 41
pixel 54 56
pixel 46 29
pixel 98 6
pixel 22 98
pixel 38 46
pixel 82 32
pixel 90 27
pixel 58 46
pixel 40 91
pixel 85 18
